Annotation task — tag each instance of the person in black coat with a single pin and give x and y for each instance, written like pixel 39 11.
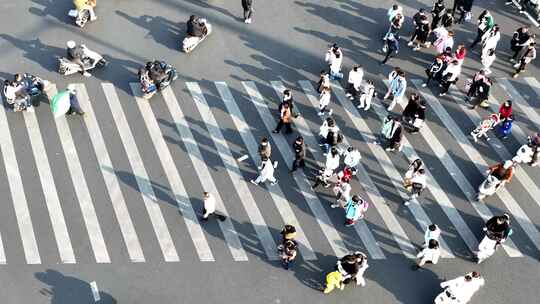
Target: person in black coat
pixel 248 10
pixel 415 109
pixel 436 13
pixel 299 154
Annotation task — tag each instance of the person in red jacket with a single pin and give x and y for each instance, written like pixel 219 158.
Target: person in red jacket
pixel 460 53
pixel 505 110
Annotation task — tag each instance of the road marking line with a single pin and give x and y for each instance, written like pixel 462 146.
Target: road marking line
pixel 141 176
pixel 109 177
pixel 450 165
pixel 20 204
pixel 372 191
pixel 81 189
pixel 229 232
pixel 95 291
pixel 3 260
pixel 275 191
pixel 361 227
pixel 48 186
pixel 178 190
pixel 528 109
pixel 242 158
pixel 241 186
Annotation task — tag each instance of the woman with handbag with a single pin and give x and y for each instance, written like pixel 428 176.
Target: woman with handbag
pixel 450 76
pixel 417 182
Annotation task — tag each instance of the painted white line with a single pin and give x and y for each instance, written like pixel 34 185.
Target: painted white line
pixel 202 172
pixel 95 291
pixel 360 227
pixel 20 204
pixel 242 158
pixel 177 186
pixel 3 260
pixel 449 163
pixel 438 193
pixel 275 191
pixel 48 186
pixel 81 189
pixel 247 200
pixel 111 180
pixel 373 193
pixel 150 200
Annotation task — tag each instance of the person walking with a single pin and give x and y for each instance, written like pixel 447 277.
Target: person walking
pixel 416 22
pixel 434 71
pixel 487 60
pixel 490 39
pixel 485 23
pixel 433 232
pixel 209 208
pixel 354 81
pixel 436 13
pixel 519 41
pixel 288 99
pixel 461 289
pixel 264 148
pixel 266 172
pixel 445 41
pixel 288 253
pixel 460 53
pixel 429 254
pixel 247 5
pixel 475 84
pixel 334 280
pixel 352 158
pixel 334 58
pixel 421 33
pixel 414 114
pixel 342 191
pixel 392 132
pixel 285 119
pixel 332 163
pixel 74 105
pixel 528 56
pixel 447 20
pixel 394 11
pixel 324 101
pixel 330 135
pixel 418 183
pixel 414 166
pixel 299 154
pixel 324 81
pixel 368 92
pixel 391 47
pixel 450 76
pixel 396 88
pixel 355 209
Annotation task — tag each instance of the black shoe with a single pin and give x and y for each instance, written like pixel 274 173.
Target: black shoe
pixel 222 217
pixel 275 131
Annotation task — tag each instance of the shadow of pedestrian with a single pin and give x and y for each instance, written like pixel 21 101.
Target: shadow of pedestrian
pixel 65 289
pixel 160 29
pixel 55 8
pixel 37 51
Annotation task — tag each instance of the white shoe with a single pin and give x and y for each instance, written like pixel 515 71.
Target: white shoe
pixel 410 43
pixel 249 20
pixel 273 183
pixel 86 74
pixel 516 65
pixel 424 85
pixel 330 112
pixel 246 21
pixel 334 205
pixel 320 113
pixel 406 203
pixel 254 182
pixel 348 94
pixel 93 19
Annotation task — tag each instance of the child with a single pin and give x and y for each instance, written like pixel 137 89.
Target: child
pixel 368 92
pixel 485 126
pixel 334 280
pixel 355 209
pixel 288 254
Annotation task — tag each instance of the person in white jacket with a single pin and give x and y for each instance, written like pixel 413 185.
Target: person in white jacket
pixel 334 58
pixel 332 163
pixel 342 191
pixel 352 158
pixel 368 92
pixel 267 172
pixel 210 207
pixel 418 184
pixel 324 101
pixel 461 289
pixel 432 233
pixel 487 60
pixel 490 39
pixel 430 254
pixel 355 80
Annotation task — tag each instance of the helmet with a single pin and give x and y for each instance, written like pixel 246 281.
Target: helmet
pixel 507 164
pixel 71 44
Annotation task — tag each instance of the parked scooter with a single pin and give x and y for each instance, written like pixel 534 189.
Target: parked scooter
pixel 524 155
pixel 191 42
pixel 91 61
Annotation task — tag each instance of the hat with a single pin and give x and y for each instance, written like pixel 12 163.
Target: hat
pixel 71 44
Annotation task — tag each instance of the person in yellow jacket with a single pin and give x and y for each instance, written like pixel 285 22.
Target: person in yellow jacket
pixel 334 280
pixel 86 4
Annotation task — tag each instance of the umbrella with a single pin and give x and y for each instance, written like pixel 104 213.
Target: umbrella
pixel 60 104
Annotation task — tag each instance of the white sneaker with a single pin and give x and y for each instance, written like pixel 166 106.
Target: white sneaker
pixel 246 21
pixel 410 43
pixel 406 203
pixel 516 65
pixel 249 20
pixel 86 74
pixel 424 85
pixel 334 205
pixel 254 182
pixel 273 183
pixel 348 94
pixel 330 112
pixel 320 113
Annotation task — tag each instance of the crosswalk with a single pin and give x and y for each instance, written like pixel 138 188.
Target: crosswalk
pixel 190 154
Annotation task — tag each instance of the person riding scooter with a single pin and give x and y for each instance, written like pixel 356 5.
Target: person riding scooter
pixel 196 27
pixel 76 54
pixel 86 5
pixel 160 73
pixel 502 171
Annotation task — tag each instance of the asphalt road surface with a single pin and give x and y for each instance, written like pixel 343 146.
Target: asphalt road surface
pixel 104 208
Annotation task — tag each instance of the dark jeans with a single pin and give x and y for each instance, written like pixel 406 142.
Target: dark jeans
pixel 446 86
pixel 247 13
pixel 517 50
pixel 351 90
pixel 298 163
pixel 287 125
pixel 479 35
pixel 389 54
pixel 74 105
pixel 521 67
pixel 319 180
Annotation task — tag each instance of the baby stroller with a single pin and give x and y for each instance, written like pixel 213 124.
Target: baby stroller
pixel 486 125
